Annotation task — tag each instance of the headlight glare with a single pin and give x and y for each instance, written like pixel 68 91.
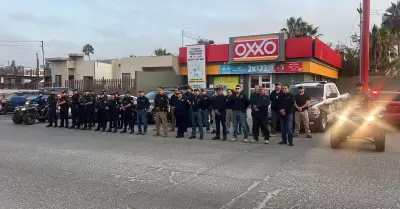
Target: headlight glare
pixel 370 118
pixel 342 117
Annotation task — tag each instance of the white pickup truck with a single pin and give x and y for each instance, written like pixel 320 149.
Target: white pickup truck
pixel 325 101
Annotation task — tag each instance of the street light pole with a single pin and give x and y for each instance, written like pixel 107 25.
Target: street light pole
pixel 365 43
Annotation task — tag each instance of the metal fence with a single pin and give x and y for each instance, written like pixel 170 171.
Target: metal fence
pixel 109 85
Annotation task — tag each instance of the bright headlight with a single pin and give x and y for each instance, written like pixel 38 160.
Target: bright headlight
pixel 26 103
pixel 370 118
pixel 342 117
pixel 23 109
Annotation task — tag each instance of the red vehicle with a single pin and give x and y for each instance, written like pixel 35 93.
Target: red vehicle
pixel 390 100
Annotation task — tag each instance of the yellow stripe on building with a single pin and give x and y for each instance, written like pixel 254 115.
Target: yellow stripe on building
pixel 210 70
pixel 318 69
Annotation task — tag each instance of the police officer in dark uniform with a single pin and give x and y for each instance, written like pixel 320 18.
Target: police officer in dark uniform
pixel 41 101
pixel 219 107
pixel 360 97
pixel 101 106
pixel 126 108
pixel 87 103
pixel 94 99
pixel 142 105
pixel 189 96
pixel 120 113
pixel 181 109
pixel 52 101
pixel 75 103
pixel 64 108
pixel 113 113
pixel 197 114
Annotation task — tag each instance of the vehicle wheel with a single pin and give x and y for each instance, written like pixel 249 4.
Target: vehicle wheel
pixel 322 123
pixel 380 142
pixel 3 111
pixel 336 138
pixel 43 118
pixel 17 119
pixel 29 119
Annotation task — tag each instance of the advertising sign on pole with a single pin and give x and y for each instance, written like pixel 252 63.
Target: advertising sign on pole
pixel 196 64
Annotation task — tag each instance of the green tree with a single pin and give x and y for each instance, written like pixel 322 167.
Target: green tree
pixel 383 53
pixel 88 49
pixel 350 61
pixel 391 21
pixel 161 52
pixel 297 27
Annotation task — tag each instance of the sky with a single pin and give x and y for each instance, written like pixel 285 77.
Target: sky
pixel 121 28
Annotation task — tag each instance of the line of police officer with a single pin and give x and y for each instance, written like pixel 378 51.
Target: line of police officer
pixel 87 109
pixel 196 107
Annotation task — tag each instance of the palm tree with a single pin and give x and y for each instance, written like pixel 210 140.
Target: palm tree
pixel 161 52
pixel 87 50
pixel 297 27
pixel 383 53
pixel 391 21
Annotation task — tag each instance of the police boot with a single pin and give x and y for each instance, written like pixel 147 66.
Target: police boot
pixel 66 125
pixel 78 127
pixel 72 127
pixel 109 130
pixel 97 129
pixel 124 131
pixel 55 125
pixel 90 127
pixel 50 125
pixel 103 130
pixel 84 127
pixel 115 130
pixel 132 131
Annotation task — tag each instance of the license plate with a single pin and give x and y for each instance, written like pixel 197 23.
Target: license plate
pixel 356 118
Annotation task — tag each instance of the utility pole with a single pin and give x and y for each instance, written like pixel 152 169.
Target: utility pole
pixel 365 42
pixel 360 12
pixel 44 66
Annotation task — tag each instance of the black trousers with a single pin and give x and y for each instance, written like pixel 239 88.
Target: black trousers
pixel 113 119
pixel 101 119
pixel 52 116
pixel 127 119
pixel 260 122
pixel 64 116
pixel 75 115
pixel 89 116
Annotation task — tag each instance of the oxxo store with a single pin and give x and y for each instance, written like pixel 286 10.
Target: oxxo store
pixel 260 60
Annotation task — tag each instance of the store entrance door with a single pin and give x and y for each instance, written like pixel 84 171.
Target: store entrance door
pixel 264 81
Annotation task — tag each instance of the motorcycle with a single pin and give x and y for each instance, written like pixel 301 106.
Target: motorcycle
pixel 29 113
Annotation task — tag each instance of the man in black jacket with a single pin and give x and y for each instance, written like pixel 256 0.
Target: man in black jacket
pixel 274 106
pixel 172 100
pixel 161 107
pixel 101 106
pixel 142 105
pixel 259 113
pixel 219 108
pixel 286 106
pixel 64 107
pixel 239 107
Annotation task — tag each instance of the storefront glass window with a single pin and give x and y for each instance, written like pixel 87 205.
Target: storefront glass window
pixel 254 80
pixel 265 78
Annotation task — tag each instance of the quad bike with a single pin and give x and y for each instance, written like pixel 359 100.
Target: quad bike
pixel 359 123
pixel 29 113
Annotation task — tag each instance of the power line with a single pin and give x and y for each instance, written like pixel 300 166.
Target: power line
pixel 352 28
pixel 20 41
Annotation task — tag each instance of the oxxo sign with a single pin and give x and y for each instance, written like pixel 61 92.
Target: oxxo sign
pixel 256 48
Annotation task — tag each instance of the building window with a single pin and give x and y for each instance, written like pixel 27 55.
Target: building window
pixel 57 80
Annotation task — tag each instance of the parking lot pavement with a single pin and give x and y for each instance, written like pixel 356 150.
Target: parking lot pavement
pixel 58 168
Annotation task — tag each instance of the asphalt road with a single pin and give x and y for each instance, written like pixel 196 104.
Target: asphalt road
pixel 58 168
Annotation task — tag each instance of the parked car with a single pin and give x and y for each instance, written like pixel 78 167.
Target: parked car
pixel 325 102
pixel 389 101
pixel 14 100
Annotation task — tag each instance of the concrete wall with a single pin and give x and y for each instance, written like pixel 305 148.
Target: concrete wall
pixel 102 70
pixel 132 64
pixel 84 68
pixel 150 81
pixel 59 68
